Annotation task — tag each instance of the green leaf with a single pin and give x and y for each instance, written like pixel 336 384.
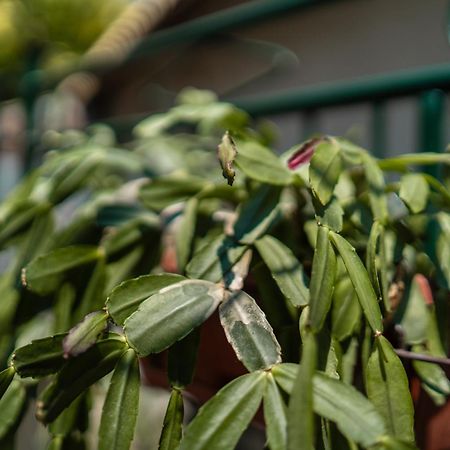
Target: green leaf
pixel 388 389
pixel 214 260
pixel 185 233
pixel 83 335
pixel 330 215
pixel 375 239
pixel 43 274
pixel 257 215
pixel 275 415
pixel 182 358
pixel 121 405
pixel 12 405
pixel 77 375
pixel 259 163
pixel 19 220
pixel 173 422
pixel 123 238
pixel 346 312
pixel 361 282
pixel 126 298
pixel 354 414
pixel 62 308
pixel 221 421
pixel 322 279
pixel 443 245
pixel 431 374
pixel 391 443
pixel 40 358
pixel 376 185
pixel 416 317
pixel 300 413
pixel 401 163
pixel 6 377
pixel 285 269
pixel 226 153
pixel 171 314
pixel 94 295
pixel 414 191
pixel 165 191
pixel 67 422
pixel 249 332
pixel 324 169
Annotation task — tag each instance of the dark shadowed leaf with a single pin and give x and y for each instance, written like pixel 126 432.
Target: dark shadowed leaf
pixel 300 413
pixel 85 334
pixel 414 191
pixel 249 332
pixel 171 314
pixel 324 169
pixel 275 415
pixel 126 298
pixel 6 376
pixel 361 282
pixel 43 274
pixel 285 269
pixel 121 405
pixel 388 389
pixel 173 422
pixel 257 215
pixel 41 357
pixel 77 375
pixel 182 358
pixel 221 421
pixel 322 279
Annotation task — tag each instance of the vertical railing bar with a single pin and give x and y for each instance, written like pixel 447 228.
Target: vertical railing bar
pixel 378 128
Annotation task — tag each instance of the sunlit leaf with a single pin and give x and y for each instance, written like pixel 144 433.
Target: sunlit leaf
pixel 221 421
pixel 414 191
pixel 322 279
pixel 275 415
pixel 173 422
pixel 360 280
pixel 121 405
pixel 171 314
pixel 300 413
pixel 354 414
pixel 249 332
pixel 259 163
pixel 324 169
pixel 126 298
pixel 85 334
pixel 388 389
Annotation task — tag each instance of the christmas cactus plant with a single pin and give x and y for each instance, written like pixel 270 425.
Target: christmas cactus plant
pixel 323 276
